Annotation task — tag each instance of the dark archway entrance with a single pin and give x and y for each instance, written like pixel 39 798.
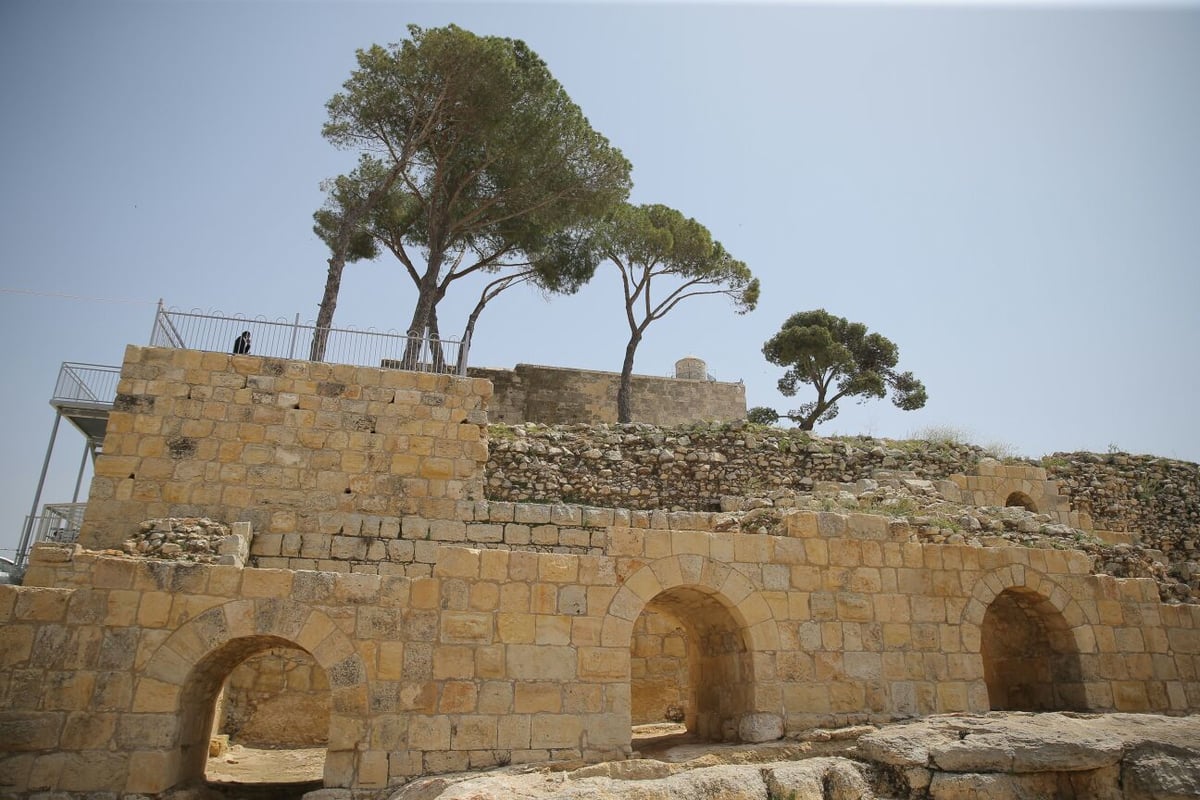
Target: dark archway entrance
pixel 1030 660
pixel 690 663
pixel 210 694
pixel 1021 500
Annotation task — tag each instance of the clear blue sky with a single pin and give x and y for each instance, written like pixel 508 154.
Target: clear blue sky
pixel 1010 193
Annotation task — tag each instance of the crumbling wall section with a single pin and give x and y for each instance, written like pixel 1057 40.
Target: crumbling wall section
pixel 692 467
pixel 558 395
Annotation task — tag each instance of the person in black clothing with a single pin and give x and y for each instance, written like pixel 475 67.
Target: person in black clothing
pixel 241 345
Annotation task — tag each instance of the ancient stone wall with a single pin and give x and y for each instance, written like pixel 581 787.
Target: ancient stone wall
pixel 692 467
pixel 290 446
pixel 276 699
pixel 556 395
pixel 660 670
pixel 1157 498
pixel 509 655
pixel 463 633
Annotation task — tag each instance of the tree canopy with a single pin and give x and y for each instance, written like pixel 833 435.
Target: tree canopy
pixel 473 158
pixel 651 242
pixel 839 359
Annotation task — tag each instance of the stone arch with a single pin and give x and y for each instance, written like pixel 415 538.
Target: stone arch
pixel 733 638
pixel 183 677
pixel 1029 634
pixel 1021 500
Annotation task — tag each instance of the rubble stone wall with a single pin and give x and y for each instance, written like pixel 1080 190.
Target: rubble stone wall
pixel 1158 498
pixel 692 467
pixel 556 395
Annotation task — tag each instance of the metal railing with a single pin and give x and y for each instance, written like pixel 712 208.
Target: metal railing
pixel 92 384
pixel 59 522
pixel 282 339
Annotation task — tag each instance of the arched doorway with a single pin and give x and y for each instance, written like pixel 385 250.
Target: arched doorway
pixel 689 662
pixel 273 711
pixel 1021 500
pixel 1030 659
pixel 202 694
pixel 662 657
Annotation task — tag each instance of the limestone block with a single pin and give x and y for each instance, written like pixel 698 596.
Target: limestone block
pixel 541 662
pixel 474 732
pixel 30 731
pixel 466 627
pixel 597 517
pixel 556 731
pixel 532 514
pixel 760 727
pixel 869 526
pixel 429 733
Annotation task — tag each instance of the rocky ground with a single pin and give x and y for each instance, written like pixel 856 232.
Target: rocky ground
pixel 997 756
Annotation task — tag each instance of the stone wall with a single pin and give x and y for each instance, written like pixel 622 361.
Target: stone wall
pixel 660 674
pixel 692 467
pixel 1156 498
pixel 110 670
pixel 556 395
pixel 290 446
pixel 456 632
pixel 277 699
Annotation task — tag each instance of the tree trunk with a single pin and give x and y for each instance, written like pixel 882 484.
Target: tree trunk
pixel 427 292
pixel 625 392
pixel 468 332
pixel 337 263
pixel 436 355
pixel 333 284
pixel 488 294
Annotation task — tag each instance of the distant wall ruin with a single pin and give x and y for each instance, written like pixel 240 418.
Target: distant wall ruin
pixel 557 395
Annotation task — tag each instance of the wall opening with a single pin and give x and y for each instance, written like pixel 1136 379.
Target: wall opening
pixel 273 711
pixel 1030 660
pixel 689 661
pixel 662 657
pixel 252 686
pixel 1021 500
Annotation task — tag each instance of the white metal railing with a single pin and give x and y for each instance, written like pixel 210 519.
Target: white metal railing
pixel 282 339
pixel 87 383
pixel 58 522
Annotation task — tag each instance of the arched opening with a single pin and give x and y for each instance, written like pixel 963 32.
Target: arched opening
pixel 273 714
pixel 1021 500
pixel 662 657
pixel 221 690
pixel 1030 660
pixel 690 663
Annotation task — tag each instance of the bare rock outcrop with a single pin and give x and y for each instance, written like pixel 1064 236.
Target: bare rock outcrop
pixel 998 755
pixel 1023 755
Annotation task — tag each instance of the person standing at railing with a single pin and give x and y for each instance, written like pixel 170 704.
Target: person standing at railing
pixel 241 345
